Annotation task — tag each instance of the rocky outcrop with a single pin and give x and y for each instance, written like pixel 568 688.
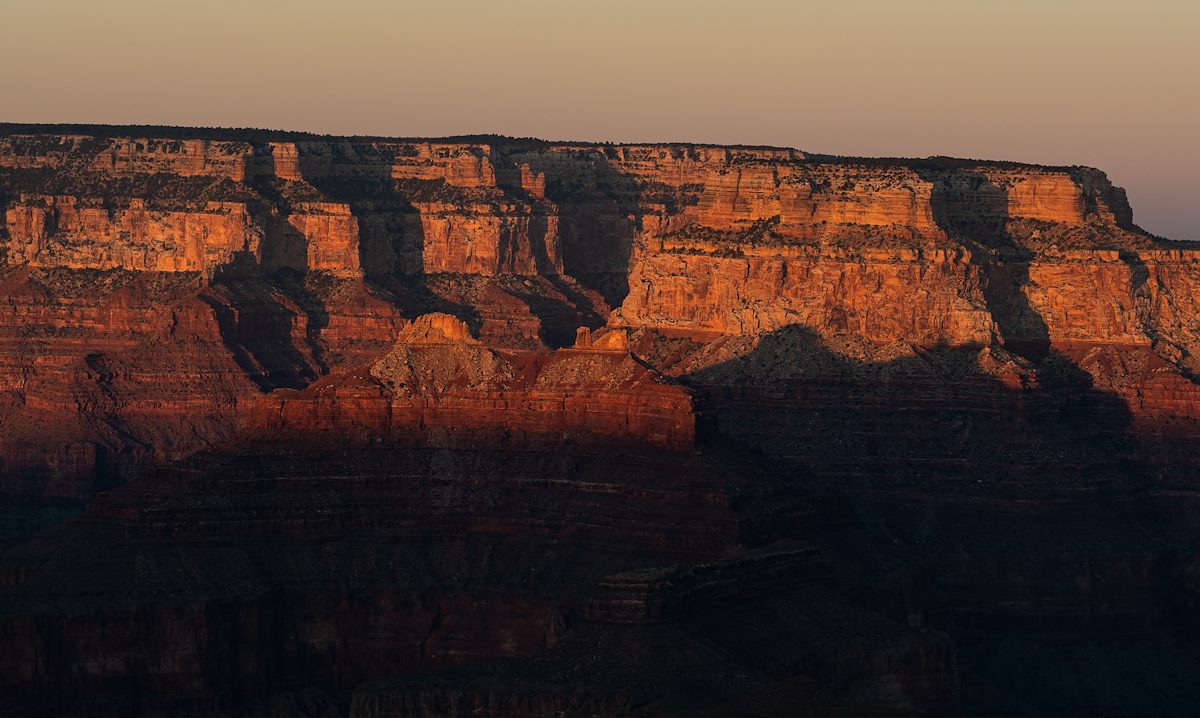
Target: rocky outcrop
pixel 439 378
pixel 125 156
pixel 81 233
pixel 867 292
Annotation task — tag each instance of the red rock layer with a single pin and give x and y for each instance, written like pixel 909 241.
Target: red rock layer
pixel 868 292
pixel 497 207
pixel 706 241
pixel 438 377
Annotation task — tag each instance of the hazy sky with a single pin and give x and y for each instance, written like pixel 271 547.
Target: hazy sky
pixel 1114 85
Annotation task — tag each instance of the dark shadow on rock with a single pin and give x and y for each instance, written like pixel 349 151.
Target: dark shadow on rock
pixel 594 313
pixel 560 299
pixel 595 207
pixel 391 240
pixel 933 405
pixel 513 180
pixel 420 294
pixel 599 214
pixel 984 507
pixel 250 294
pixel 560 304
pixel 257 299
pixel 298 286
pixel 973 210
pixel 412 556
pixel 256 327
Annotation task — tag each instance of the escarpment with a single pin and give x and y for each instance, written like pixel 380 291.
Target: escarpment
pixel 407 426
pixel 438 377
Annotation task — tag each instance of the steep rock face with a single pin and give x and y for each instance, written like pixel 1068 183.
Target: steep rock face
pixel 866 292
pixel 82 233
pixel 1143 298
pixel 311 252
pixel 123 156
pixel 487 240
pixel 439 378
pixel 316 237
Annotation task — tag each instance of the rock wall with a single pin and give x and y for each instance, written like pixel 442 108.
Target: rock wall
pixel 81 233
pixel 439 378
pixel 867 292
pixel 309 252
pixel 527 241
pixel 123 156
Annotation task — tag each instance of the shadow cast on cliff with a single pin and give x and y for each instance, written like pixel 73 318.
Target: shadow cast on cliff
pixel 560 301
pixel 589 210
pixel 973 210
pixel 285 257
pixel 257 327
pixel 937 408
pixel 391 236
pixel 599 211
pixel 512 181
pixel 258 298
pixel 965 488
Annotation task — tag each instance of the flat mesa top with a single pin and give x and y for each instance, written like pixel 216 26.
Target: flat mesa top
pixel 259 135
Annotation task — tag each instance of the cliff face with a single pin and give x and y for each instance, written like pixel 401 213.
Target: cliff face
pixel 310 252
pixel 694 360
pixel 438 376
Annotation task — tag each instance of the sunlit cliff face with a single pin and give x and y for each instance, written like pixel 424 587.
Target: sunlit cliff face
pixel 265 261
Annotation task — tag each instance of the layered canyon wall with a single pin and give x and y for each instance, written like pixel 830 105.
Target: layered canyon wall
pixel 290 258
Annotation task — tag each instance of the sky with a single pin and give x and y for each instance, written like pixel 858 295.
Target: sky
pixel 1114 85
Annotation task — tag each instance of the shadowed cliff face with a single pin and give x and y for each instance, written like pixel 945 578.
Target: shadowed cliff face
pixel 985 408
pixel 973 210
pixel 972 491
pixel 600 217
pixel 523 427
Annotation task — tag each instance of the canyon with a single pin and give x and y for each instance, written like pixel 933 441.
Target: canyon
pixel 304 425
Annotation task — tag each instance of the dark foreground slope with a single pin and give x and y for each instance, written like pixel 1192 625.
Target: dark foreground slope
pixel 503 427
